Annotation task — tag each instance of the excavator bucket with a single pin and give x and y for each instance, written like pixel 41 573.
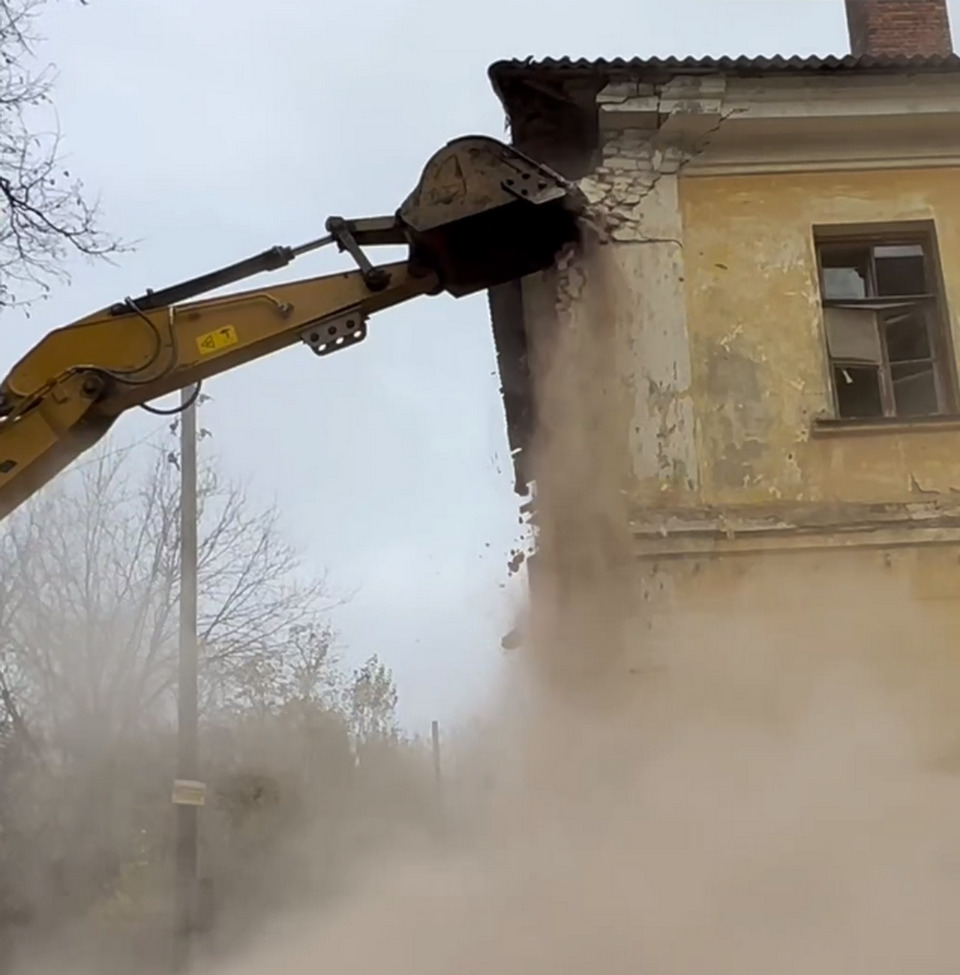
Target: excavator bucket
pixel 484 214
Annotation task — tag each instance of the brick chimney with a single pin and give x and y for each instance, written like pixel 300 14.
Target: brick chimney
pixel 899 28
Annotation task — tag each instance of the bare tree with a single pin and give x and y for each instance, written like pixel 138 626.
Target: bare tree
pixel 372 702
pixel 89 591
pixel 46 214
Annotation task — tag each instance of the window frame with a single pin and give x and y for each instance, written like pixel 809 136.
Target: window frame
pixel 933 302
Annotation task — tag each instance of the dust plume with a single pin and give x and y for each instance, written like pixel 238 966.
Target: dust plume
pixel 761 783
pixel 727 767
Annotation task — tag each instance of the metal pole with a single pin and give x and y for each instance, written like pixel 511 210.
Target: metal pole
pixel 435 738
pixel 187 761
pixel 437 773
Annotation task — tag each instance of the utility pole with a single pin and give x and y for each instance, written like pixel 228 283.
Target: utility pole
pixel 437 774
pixel 435 743
pixel 188 793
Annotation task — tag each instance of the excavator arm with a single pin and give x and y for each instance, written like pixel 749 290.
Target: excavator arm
pixel 482 214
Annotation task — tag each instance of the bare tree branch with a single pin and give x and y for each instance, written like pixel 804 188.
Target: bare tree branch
pixel 91 572
pixel 45 213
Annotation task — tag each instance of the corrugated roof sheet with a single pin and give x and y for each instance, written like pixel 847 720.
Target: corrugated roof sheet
pixel 723 65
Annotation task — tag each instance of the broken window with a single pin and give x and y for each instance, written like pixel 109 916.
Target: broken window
pixel 888 348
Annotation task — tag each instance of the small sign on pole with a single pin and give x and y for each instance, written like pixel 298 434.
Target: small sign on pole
pixel 187 792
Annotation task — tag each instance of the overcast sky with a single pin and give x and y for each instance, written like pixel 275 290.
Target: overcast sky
pixel 213 129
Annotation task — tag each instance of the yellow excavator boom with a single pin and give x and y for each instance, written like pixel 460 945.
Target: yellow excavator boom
pixel 482 214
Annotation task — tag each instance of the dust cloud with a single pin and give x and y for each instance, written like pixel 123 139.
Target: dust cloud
pixel 759 781
pixel 765 783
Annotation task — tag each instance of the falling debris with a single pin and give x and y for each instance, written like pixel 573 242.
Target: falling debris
pixel 512 640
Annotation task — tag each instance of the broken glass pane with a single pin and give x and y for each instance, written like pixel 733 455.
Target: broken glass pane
pixel 915 389
pixel 858 392
pixel 853 335
pixel 845 271
pixel 901 269
pixel 907 335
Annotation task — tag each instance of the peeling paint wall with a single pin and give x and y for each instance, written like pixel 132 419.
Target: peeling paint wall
pixel 744 519
pixel 716 345
pixel 760 370
pixel 635 191
pixel 745 523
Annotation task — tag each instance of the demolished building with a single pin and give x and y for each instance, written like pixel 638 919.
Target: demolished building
pixel 786 236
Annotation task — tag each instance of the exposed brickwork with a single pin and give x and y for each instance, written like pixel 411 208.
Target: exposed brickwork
pixel 624 186
pixel 890 28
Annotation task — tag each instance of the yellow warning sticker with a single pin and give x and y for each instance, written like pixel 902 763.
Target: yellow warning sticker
pixel 215 341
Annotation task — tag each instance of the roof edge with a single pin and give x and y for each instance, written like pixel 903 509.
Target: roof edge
pixel 529 67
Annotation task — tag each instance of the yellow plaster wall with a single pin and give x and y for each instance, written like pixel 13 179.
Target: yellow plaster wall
pixel 759 370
